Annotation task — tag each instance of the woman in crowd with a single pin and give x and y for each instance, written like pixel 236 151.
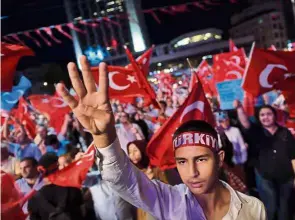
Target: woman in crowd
pixel 137 154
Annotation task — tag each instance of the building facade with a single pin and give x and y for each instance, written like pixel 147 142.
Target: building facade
pixel 267 20
pixel 110 25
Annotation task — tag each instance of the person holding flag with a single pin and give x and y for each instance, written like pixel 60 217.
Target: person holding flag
pixel 198 159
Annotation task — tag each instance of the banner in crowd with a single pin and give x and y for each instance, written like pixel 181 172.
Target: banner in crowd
pixel 228 92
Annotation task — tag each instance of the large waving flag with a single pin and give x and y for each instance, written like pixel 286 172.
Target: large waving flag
pixel 195 107
pixel 12 199
pixel 268 70
pixel 74 174
pixel 9 99
pixel 53 107
pixel 238 57
pixel 10 55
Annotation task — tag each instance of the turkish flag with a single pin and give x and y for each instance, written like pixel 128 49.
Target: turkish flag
pixel 238 57
pixel 74 174
pixel 269 70
pixel 143 61
pixel 227 70
pixel 232 46
pixel 290 100
pixel 249 104
pixel 12 199
pixel 205 73
pixel 53 107
pixel 10 55
pixel 195 107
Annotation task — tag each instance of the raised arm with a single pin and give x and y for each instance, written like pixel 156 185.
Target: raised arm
pixel 94 112
pixel 242 116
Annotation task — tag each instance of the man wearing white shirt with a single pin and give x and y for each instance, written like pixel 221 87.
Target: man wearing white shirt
pixel 198 159
pixel 127 131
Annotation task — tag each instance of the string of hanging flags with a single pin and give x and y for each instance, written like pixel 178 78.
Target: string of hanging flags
pixel 47 35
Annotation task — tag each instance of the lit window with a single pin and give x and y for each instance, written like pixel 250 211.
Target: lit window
pixel 197 38
pixel 183 42
pixel 111 3
pixel 217 36
pixel 110 9
pixel 208 35
pixel 260 21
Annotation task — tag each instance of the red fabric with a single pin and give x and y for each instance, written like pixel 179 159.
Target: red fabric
pixel 141 76
pixel 291 126
pixel 143 61
pixel 53 107
pixel 227 70
pixel 10 55
pixel 160 148
pixel 232 46
pixel 238 57
pixel 74 174
pixel 272 47
pixel 249 104
pixel 269 70
pixel 11 199
pixel 205 74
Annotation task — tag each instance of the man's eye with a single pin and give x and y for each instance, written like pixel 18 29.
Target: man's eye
pixel 202 160
pixel 181 162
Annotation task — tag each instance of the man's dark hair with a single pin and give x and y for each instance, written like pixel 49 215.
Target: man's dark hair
pixel 48 162
pixel 269 107
pixel 51 139
pixel 196 125
pixel 163 103
pixel 34 162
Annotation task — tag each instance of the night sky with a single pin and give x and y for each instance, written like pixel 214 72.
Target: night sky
pixel 30 14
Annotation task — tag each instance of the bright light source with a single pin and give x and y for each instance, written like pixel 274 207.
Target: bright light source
pixel 159 64
pixel 95 13
pixel 45 83
pixel 180 82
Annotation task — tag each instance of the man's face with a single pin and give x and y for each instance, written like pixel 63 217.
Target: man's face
pixel 198 167
pixel 225 123
pixel 42 131
pixel 266 117
pixel 123 118
pixel 27 170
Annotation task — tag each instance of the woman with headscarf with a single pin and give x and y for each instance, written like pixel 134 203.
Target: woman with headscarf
pixel 137 154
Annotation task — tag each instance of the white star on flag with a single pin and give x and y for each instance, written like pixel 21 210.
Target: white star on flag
pixel 131 78
pixel 45 101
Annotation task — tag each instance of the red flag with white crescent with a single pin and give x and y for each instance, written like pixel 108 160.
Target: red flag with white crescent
pixel 195 107
pixel 238 57
pixel 268 70
pixel 74 174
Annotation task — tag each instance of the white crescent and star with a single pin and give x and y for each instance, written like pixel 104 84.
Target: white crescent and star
pixel 62 102
pixel 237 59
pixel 115 86
pixel 234 72
pixel 263 77
pixel 196 105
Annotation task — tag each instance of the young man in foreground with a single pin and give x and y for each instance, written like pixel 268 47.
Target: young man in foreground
pixel 202 196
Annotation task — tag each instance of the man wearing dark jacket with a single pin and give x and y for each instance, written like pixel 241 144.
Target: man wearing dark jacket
pixel 54 202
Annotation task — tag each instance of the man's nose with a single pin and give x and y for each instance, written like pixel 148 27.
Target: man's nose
pixel 193 170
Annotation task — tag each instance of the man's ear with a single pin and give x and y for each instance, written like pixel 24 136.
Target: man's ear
pixel 221 155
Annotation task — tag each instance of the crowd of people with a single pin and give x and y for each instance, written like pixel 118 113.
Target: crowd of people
pixel 252 157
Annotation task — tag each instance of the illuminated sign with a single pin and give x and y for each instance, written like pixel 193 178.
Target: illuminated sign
pixel 95 55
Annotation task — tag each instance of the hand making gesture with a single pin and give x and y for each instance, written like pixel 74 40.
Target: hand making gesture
pixel 92 108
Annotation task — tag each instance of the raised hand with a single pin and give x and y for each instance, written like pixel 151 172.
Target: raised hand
pixel 92 108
